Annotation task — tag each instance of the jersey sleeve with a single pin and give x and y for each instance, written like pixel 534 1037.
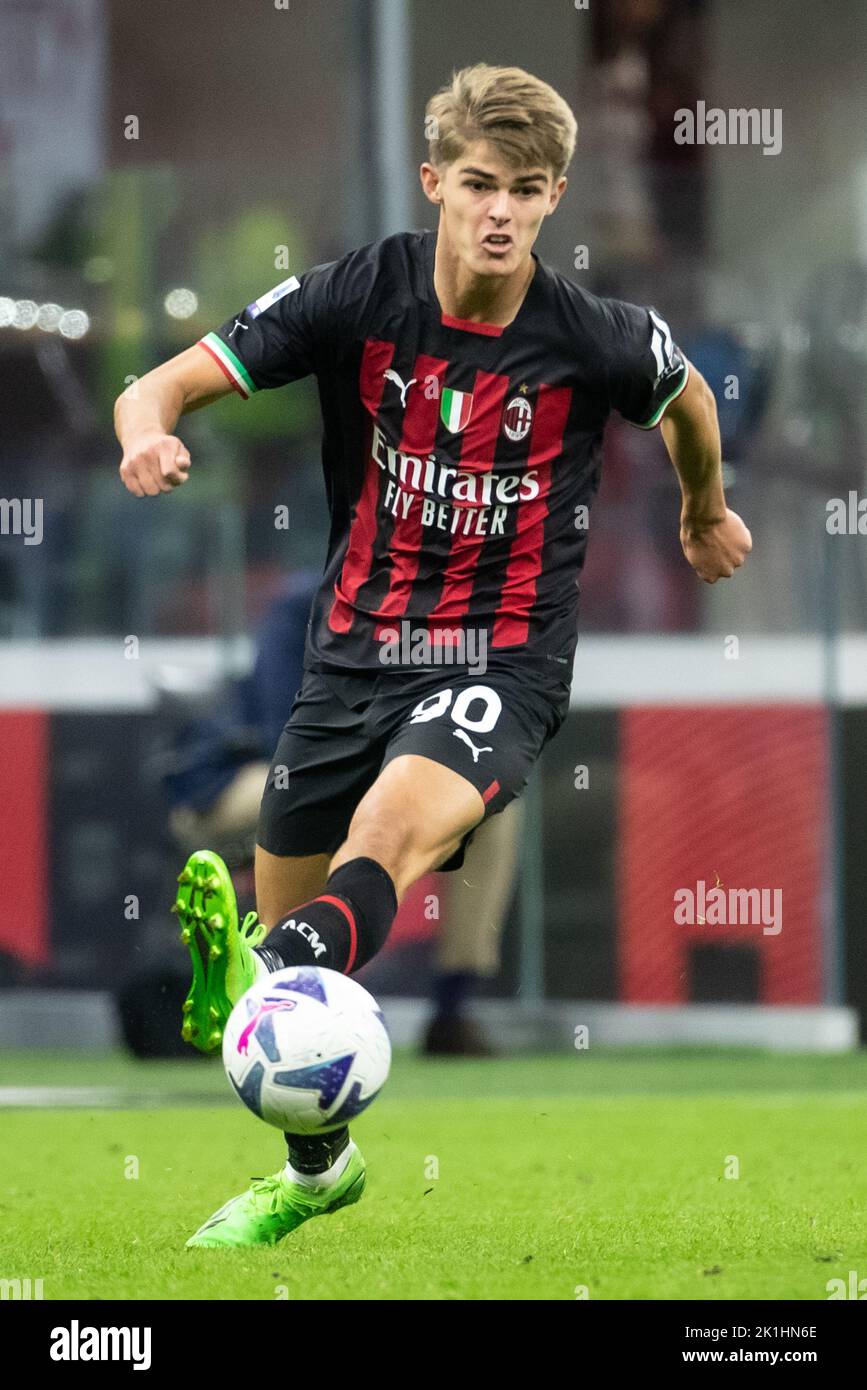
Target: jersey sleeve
pixel 646 369
pixel 282 336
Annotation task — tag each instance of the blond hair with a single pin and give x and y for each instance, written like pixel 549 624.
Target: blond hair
pixel 524 118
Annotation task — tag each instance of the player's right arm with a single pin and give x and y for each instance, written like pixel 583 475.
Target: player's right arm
pixel 147 412
pixel 285 335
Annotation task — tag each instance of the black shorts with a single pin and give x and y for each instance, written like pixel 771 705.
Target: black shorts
pixel 343 729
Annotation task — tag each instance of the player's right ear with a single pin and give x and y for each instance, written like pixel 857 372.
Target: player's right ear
pixel 430 182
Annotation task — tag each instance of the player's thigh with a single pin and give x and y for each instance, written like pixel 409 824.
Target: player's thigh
pixel 285 881
pixel 485 729
pixel 416 814
pixel 489 729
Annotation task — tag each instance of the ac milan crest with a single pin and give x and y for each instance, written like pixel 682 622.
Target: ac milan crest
pixel 517 418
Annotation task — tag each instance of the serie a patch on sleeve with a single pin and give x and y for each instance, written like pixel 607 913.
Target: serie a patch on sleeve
pixel 266 300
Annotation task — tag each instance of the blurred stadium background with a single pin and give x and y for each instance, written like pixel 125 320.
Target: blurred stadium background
pixel 151 163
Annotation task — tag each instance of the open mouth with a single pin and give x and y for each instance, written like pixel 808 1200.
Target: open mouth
pixel 497 242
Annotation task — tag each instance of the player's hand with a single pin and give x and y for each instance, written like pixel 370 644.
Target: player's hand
pixel 715 548
pixel 154 463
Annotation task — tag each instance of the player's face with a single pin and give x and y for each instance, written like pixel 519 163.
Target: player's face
pixel 490 212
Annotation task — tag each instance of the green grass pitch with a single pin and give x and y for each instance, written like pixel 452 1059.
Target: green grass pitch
pixel 535 1177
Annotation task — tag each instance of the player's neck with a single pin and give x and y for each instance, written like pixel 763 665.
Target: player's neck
pixel 478 298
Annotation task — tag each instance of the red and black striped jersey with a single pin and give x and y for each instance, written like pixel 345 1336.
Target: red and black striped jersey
pixel 460 458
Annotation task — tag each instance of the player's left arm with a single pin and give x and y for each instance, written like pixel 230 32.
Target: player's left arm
pixel 714 538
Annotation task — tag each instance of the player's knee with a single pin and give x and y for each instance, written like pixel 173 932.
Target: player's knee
pixel 387 838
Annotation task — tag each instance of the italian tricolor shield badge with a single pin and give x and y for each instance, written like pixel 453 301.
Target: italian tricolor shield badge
pixel 455 409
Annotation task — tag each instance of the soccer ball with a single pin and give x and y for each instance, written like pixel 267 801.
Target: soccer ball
pixel 306 1049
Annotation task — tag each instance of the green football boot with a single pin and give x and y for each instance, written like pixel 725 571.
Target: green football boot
pixel 272 1207
pixel 224 966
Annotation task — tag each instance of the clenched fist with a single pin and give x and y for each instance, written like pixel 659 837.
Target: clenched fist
pixel 154 463
pixel 715 549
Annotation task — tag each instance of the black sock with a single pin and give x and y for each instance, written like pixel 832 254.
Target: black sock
pixel 313 1153
pixel 451 991
pixel 343 928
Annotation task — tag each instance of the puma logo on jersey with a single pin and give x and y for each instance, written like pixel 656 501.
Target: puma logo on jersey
pixel 459 733
pixel 391 375
pixel 238 324
pixel 304 929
